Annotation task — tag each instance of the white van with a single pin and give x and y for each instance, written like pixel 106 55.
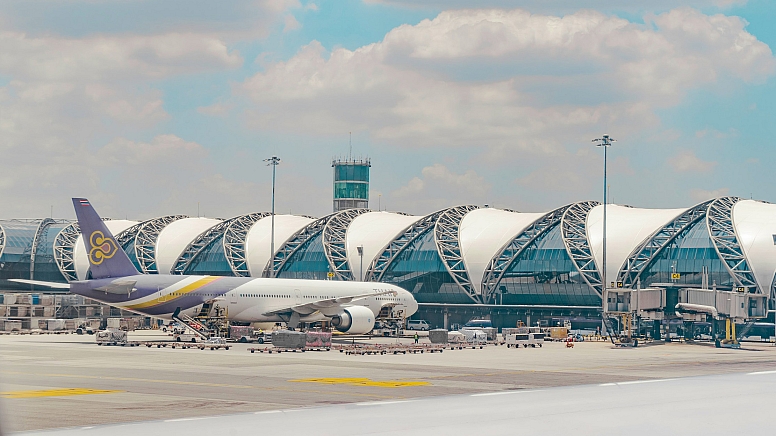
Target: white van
pixel 417 324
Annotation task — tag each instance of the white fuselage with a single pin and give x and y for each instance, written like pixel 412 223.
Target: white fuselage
pixel 256 299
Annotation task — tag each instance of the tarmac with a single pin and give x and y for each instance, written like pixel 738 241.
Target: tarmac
pixel 56 381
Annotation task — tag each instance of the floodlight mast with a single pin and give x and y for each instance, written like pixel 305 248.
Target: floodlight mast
pixel 273 162
pixel 605 142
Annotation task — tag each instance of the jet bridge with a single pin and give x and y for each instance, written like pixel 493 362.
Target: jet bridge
pixel 670 301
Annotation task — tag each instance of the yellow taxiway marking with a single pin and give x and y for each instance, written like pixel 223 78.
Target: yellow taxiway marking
pixel 363 382
pixel 54 393
pixel 192 383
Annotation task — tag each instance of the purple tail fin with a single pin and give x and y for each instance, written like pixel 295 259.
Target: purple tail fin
pixel 106 258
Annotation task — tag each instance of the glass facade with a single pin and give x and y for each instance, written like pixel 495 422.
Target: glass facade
pixel 687 255
pixel 46 268
pixel 545 274
pixel 16 260
pixel 420 270
pixel 358 173
pixel 351 190
pixel 211 260
pixel 308 262
pixel 351 184
pixel 129 248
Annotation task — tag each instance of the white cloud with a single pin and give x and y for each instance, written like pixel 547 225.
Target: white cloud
pixel 290 23
pixel 687 162
pixel 164 150
pixel 701 195
pixel 233 20
pixel 112 58
pixel 507 80
pixel 215 109
pixel 565 5
pixel 439 187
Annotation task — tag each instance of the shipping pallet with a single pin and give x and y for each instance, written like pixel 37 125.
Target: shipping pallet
pixel 279 350
pixel 173 345
pixel 390 349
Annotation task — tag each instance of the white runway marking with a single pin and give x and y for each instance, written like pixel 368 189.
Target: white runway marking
pixel 490 394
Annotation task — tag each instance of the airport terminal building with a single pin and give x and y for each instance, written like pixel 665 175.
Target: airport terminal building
pixel 459 262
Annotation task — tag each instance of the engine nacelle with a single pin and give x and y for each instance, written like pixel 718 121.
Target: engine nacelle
pixel 356 320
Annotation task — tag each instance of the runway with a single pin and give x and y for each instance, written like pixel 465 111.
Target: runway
pixel 708 405
pixel 51 382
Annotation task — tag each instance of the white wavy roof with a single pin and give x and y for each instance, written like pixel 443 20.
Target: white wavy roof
pixel 373 230
pixel 755 224
pixel 482 234
pixel 80 258
pixel 175 237
pixel 259 240
pixel 626 228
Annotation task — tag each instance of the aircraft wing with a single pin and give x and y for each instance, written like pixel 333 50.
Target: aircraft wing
pixel 325 306
pixel 54 285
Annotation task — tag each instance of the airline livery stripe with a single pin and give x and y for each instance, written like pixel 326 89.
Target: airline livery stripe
pixel 175 295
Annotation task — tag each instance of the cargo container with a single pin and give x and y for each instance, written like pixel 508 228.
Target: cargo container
pixel 318 340
pixel 55 324
pixel 114 323
pixel 289 339
pixel 559 333
pixel 11 325
pixel 438 336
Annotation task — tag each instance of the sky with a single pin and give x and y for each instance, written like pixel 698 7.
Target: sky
pixel 150 108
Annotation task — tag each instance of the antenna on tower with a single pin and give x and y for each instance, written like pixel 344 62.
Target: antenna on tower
pixel 350 145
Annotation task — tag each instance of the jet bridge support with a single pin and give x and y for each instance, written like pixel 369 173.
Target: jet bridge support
pixel 689 304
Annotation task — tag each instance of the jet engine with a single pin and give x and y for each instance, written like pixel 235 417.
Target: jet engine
pixel 356 320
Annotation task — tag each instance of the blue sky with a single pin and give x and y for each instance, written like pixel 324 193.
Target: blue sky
pixel 153 107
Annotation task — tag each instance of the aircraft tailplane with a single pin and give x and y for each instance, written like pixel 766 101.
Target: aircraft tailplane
pixel 106 257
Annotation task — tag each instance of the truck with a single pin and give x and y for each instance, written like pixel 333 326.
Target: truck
pixel 387 328
pixel 531 339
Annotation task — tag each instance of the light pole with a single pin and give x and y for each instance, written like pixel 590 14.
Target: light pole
pixel 273 161
pixel 360 249
pixel 604 142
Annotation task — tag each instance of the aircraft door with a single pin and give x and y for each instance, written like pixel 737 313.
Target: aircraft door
pixel 232 297
pixel 297 296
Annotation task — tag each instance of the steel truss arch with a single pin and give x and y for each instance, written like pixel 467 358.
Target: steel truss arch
pixel 234 231
pixel 447 239
pixel 389 253
pixel 292 245
pixel 145 241
pixel 335 244
pixel 36 241
pixel 2 239
pixel 512 250
pixel 64 251
pixel 640 258
pixel 573 227
pixel 235 237
pixel 127 236
pixel 719 219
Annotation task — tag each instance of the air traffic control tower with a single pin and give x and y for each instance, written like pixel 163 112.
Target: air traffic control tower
pixel 351 183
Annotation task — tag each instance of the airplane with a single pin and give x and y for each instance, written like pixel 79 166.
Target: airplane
pixel 350 307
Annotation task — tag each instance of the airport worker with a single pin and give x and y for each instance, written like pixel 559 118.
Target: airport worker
pixel 416 337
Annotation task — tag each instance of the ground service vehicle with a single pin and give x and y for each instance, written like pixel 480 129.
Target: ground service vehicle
pixel 525 339
pixel 417 324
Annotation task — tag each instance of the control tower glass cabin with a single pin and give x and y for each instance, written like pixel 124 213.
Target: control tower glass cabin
pixel 351 183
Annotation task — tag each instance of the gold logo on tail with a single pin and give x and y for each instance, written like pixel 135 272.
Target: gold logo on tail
pixel 102 248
